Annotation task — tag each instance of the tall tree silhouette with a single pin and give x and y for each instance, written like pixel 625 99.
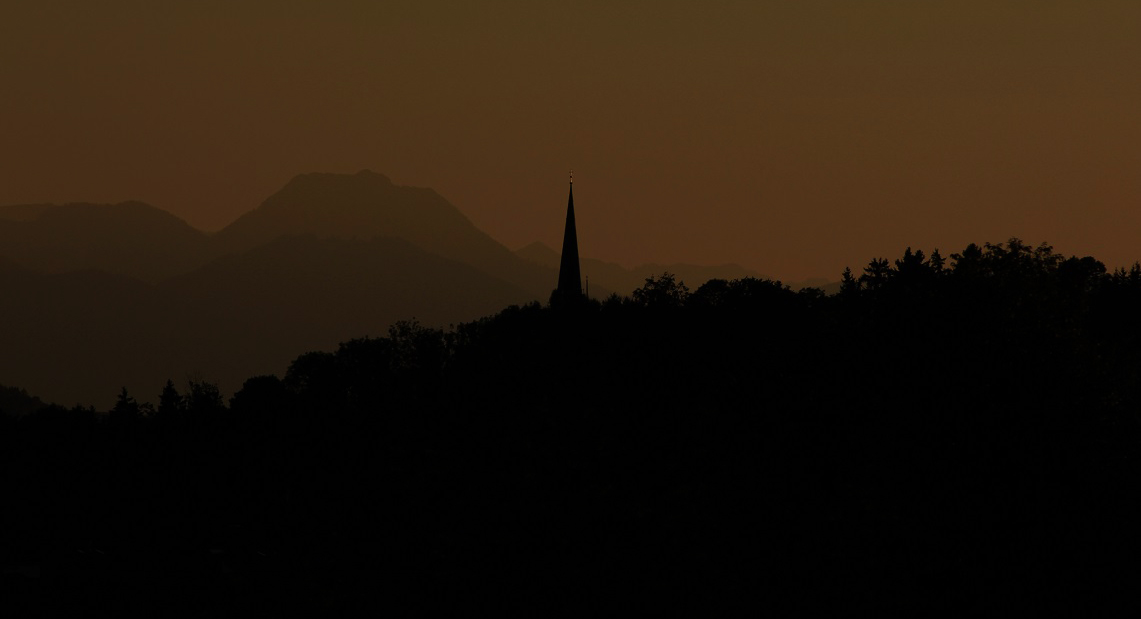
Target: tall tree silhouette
pixel 170 402
pixel 126 408
pixel 663 291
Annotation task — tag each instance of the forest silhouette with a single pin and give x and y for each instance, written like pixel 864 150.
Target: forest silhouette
pixel 969 419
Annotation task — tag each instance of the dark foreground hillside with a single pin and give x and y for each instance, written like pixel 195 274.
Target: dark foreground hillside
pixel 941 434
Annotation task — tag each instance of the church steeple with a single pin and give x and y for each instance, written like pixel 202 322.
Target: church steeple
pixel 570 280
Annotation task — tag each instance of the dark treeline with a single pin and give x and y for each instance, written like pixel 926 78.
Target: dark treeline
pixel 970 419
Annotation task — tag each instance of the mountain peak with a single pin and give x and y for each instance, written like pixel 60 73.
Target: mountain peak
pixel 324 179
pixel 364 204
pixel 367 205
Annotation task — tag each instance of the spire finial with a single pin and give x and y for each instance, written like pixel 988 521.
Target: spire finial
pixel 572 177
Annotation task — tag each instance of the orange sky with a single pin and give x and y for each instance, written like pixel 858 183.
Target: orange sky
pixel 791 137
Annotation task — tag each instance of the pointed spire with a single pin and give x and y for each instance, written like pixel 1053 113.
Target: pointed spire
pixel 570 281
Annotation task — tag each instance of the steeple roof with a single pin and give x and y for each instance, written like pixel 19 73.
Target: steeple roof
pixel 570 280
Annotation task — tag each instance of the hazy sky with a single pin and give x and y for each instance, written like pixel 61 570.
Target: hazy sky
pixel 792 137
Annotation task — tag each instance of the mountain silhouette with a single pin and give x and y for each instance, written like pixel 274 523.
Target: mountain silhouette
pixel 129 238
pixel 367 205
